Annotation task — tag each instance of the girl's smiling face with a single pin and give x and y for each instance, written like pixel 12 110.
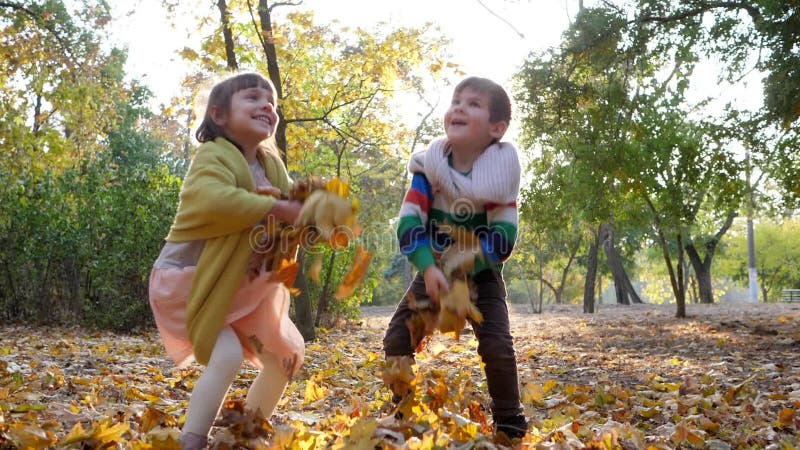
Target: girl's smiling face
pixel 251 117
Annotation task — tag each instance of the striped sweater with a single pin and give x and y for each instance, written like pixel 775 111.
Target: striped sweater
pixel 484 201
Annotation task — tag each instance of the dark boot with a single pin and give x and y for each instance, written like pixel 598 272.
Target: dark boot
pixel 514 427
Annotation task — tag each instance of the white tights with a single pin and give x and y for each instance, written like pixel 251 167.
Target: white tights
pixel 212 386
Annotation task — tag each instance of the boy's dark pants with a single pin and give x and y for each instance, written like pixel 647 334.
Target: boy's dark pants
pixel 495 345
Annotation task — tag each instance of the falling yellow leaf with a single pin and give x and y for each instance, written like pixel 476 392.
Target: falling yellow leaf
pixel 361 435
pixel 286 274
pixel 357 272
pixel 398 375
pixel 315 271
pixel 338 187
pixel 456 306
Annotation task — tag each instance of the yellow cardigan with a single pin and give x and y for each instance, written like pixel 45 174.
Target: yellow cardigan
pixel 218 204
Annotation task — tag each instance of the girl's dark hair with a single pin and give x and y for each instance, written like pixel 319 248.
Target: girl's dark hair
pixel 499 103
pixel 221 95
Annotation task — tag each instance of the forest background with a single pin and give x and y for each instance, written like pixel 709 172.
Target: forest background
pixel 633 181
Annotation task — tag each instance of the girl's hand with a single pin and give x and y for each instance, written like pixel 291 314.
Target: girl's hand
pixel 272 191
pixel 435 282
pixel 286 210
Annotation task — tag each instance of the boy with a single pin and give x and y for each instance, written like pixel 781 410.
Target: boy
pixel 470 179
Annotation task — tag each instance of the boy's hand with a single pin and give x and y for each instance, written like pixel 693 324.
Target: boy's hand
pixel 435 282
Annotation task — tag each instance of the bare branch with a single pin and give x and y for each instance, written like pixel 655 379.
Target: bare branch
pixel 227 34
pixel 522 36
pixel 333 108
pixel 754 12
pixel 275 5
pixel 255 25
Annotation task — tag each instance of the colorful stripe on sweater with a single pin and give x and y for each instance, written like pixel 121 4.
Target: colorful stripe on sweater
pixel 422 242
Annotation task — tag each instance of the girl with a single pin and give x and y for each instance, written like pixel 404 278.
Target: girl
pixel 204 306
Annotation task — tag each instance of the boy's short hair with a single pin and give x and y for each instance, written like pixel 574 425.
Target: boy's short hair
pixel 499 102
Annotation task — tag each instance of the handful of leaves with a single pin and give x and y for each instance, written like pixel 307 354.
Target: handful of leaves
pixel 327 217
pixel 455 306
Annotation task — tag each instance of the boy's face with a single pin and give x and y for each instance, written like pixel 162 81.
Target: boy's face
pixel 466 122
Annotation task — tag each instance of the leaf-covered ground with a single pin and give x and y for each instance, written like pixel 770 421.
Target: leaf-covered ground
pixel 728 376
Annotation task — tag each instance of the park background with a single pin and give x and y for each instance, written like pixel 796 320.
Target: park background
pixel 651 132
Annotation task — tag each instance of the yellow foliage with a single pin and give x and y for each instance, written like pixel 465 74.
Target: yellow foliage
pixel 314 392
pixel 398 375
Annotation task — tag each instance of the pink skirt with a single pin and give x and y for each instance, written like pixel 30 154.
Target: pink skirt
pixel 259 315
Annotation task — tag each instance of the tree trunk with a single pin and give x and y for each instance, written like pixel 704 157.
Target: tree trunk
pixel 599 289
pixel 75 293
pixel 531 296
pixel 268 44
pixel 230 54
pixel 13 305
pixel 705 290
pixel 702 271
pixel 324 298
pixel 626 294
pixel 680 294
pixel 564 273
pixel 702 267
pixel 692 293
pixel 591 274
pixel 303 310
pixel 541 285
pixel 303 306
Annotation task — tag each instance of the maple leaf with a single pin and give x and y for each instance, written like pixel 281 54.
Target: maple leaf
pixel 456 305
pixel 421 324
pixel 355 275
pixel 244 424
pixel 326 210
pixel 30 435
pixel 786 418
pixel 398 375
pixel 153 417
pixel 161 439
pixel 286 273
pixel 461 254
pixel 362 435
pixel 314 391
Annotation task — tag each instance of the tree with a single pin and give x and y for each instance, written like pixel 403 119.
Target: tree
pixel 745 37
pixel 56 81
pixel 556 231
pixel 62 94
pixel 777 253
pixel 613 101
pixel 574 109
